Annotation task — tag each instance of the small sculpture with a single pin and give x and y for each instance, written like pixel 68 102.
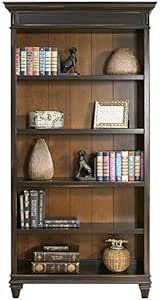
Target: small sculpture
pixel 83 167
pixel 70 62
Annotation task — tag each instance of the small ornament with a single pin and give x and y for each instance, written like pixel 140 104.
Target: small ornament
pixel 123 61
pixel 85 171
pixel 70 62
pixel 46 119
pixel 41 164
pixel 116 258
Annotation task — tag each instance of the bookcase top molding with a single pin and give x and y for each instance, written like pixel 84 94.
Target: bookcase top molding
pixel 96 16
pixel 44 6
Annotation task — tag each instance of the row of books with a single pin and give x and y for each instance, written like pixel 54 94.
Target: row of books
pixel 32 208
pixel 120 166
pixel 56 259
pixel 36 61
pixel 32 213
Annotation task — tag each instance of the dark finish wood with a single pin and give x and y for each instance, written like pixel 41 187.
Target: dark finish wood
pixel 79 131
pixel 145 288
pixel 69 182
pixel 15 289
pixel 104 208
pixel 83 77
pixel 86 228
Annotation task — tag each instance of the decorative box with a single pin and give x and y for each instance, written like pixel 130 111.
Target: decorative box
pixel 46 119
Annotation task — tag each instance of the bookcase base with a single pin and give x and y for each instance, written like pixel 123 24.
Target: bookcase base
pixel 15 289
pixel 145 288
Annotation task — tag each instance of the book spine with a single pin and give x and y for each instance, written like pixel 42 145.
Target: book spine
pixel 58 221
pixel 56 248
pixel 23 66
pixel 112 166
pixel 35 61
pixel 56 256
pixel 18 61
pixel 131 165
pixel 61 225
pixel 34 208
pixel 142 166
pixel 41 208
pixel 21 199
pixel 54 61
pixel 137 165
pixel 124 165
pixel 48 267
pixel 99 166
pixel 48 61
pixel 118 166
pixel 29 60
pixel 42 61
pixel 106 165
pixel 26 209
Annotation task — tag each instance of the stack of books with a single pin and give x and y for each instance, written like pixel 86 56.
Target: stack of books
pixel 35 61
pixel 62 223
pixel 56 259
pixel 32 208
pixel 119 166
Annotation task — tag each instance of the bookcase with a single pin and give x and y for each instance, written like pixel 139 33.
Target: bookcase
pixel 105 209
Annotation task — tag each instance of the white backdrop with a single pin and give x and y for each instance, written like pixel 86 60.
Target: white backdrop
pixel 86 291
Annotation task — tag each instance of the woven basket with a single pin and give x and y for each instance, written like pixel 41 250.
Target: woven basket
pixel 123 61
pixel 116 258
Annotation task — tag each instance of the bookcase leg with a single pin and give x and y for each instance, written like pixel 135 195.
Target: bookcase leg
pixel 15 289
pixel 145 288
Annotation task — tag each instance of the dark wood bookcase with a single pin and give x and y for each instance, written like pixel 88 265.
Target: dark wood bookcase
pixel 105 209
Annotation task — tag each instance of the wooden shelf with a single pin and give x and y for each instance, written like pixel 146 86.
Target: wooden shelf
pixel 79 131
pixel 88 228
pixel 83 77
pixel 69 182
pixel 89 270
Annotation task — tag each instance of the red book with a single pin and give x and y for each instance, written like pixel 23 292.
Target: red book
pixel 29 60
pixel 124 165
pixel 18 61
pixel 112 166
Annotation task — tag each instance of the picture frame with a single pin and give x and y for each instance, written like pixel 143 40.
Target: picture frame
pixel 111 114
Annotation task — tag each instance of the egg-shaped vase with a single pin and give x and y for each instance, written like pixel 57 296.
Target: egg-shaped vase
pixel 41 165
pixel 123 61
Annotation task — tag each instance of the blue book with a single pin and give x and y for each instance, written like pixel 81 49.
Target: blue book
pixel 42 61
pixel 118 166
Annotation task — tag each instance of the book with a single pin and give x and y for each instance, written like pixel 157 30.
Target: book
pixel 29 60
pixel 54 61
pixel 62 247
pixel 41 208
pixel 99 166
pixel 34 208
pixel 48 61
pixel 26 209
pixel 42 61
pixel 23 66
pixel 21 200
pixel 35 61
pixel 72 255
pixel 137 165
pixel 62 226
pixel 18 61
pixel 118 166
pixel 131 165
pixel 56 267
pixel 124 165
pixel 142 166
pixel 112 166
pixel 106 165
pixel 62 220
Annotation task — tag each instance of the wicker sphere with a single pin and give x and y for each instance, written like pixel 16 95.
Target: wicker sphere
pixel 116 260
pixel 123 61
pixel 40 164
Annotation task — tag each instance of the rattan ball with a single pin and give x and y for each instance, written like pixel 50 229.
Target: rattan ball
pixel 123 61
pixel 116 260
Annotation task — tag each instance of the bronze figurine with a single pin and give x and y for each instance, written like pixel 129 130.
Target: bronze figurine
pixel 85 171
pixel 70 62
